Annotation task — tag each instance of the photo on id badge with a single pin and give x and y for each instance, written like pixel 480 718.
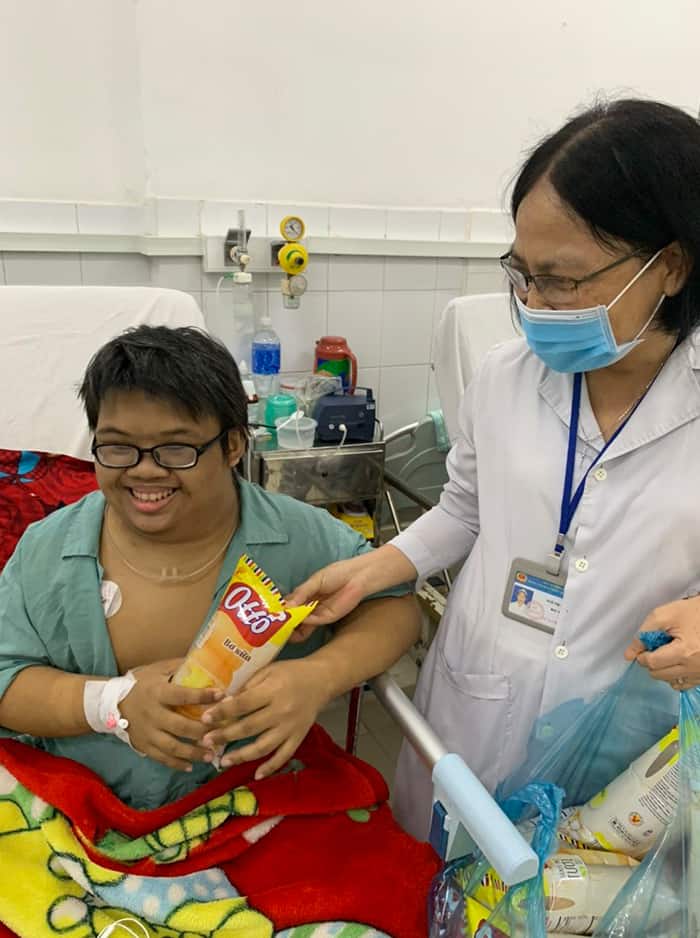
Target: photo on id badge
pixel 533 595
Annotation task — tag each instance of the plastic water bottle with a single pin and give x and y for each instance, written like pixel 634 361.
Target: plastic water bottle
pixel 266 356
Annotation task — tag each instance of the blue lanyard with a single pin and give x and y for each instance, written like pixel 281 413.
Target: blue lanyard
pixel 569 502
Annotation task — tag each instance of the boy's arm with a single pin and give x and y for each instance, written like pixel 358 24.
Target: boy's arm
pixel 44 701
pixel 367 642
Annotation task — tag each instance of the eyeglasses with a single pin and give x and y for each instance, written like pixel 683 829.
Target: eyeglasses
pixel 166 455
pixel 553 289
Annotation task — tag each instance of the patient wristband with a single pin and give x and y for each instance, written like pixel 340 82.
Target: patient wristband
pixel 101 701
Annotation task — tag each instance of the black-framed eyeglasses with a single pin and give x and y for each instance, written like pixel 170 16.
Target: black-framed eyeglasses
pixel 166 455
pixel 552 288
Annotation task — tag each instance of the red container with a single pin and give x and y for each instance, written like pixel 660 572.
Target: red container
pixel 334 357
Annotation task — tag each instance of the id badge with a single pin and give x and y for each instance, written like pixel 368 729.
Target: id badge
pixel 533 595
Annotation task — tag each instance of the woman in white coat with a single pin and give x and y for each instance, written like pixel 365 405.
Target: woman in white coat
pixel 600 521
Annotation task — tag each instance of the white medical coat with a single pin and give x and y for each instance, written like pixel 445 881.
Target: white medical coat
pixel 634 544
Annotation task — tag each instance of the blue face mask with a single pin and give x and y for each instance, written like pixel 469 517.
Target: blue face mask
pixel 578 340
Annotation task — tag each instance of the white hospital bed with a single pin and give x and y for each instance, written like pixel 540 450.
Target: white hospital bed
pixel 48 336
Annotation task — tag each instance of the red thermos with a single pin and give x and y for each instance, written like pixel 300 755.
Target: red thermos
pixel 334 357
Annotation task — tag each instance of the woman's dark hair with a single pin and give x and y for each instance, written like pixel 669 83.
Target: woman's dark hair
pixel 631 170
pixel 184 366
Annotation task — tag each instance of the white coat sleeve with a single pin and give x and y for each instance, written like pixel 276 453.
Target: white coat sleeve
pixel 446 534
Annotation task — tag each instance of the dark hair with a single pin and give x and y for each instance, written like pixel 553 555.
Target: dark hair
pixel 631 170
pixel 184 366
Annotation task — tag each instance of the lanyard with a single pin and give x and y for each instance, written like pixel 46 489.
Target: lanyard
pixel 569 502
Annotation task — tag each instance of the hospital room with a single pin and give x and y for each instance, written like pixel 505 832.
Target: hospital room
pixel 349 425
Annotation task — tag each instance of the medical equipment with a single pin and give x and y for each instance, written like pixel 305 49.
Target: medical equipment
pixel 241 285
pixel 293 258
pixel 355 412
pixel 50 418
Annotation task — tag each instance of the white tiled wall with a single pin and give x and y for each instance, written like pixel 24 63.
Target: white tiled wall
pixel 387 308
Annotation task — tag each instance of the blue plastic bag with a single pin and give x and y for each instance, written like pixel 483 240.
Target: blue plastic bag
pixel 574 752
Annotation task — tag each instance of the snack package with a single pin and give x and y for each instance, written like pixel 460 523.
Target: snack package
pixel 599 857
pixel 356 517
pixel 576 894
pixel 247 631
pixel 629 815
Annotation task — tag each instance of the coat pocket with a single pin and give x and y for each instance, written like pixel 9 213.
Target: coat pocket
pixel 473 715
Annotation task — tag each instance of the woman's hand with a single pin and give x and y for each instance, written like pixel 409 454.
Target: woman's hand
pixel 155 729
pixel 278 705
pixel 677 663
pixel 342 586
pixel 338 588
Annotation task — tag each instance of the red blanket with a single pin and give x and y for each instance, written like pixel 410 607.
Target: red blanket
pixel 315 845
pixel 32 485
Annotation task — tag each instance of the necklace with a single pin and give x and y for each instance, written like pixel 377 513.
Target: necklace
pixel 169 574
pixel 639 397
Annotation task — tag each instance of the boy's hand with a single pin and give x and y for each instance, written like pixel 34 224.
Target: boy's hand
pixel 278 705
pixel 155 729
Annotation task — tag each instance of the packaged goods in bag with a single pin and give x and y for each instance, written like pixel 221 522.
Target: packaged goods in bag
pixel 629 815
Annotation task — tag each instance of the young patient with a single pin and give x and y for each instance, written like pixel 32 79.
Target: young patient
pixel 123 580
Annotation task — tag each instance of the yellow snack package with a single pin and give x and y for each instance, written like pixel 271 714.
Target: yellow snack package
pixel 475 917
pixel 356 517
pixel 248 630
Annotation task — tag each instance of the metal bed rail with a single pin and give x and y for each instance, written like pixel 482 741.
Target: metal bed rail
pixel 460 794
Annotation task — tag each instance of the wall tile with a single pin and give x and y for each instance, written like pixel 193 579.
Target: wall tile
pixel 410 273
pixel 354 222
pixel 178 218
pixel 485 276
pixel 369 378
pixel 454 225
pixel 355 273
pixel 357 316
pixel 50 268
pixel 403 393
pixel 115 270
pixel 299 329
pixel 490 225
pixel 451 273
pixel 38 217
pixel 177 273
pixel 407 326
pixel 412 224
pixel 2 270
pixel 112 219
pixel 315 218
pixel 218 217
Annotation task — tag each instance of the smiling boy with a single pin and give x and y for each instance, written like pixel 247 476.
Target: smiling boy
pixel 101 601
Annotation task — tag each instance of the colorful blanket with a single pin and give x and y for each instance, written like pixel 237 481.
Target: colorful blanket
pixel 32 485
pixel 312 851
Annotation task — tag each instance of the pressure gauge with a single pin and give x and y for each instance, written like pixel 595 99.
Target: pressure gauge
pixel 292 228
pixel 297 285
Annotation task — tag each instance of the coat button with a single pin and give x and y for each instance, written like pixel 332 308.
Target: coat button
pixel 601 474
pixel 581 565
pixel 561 652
